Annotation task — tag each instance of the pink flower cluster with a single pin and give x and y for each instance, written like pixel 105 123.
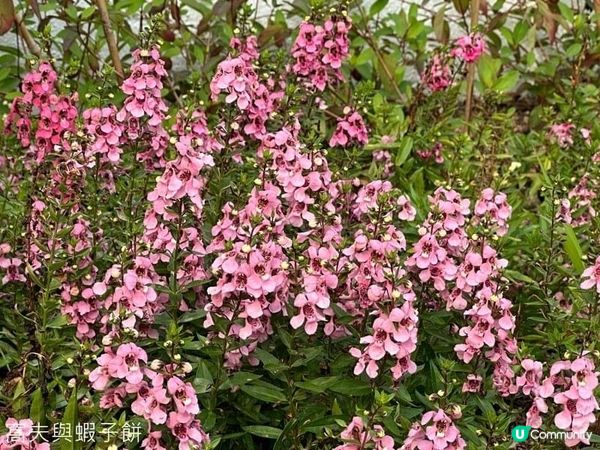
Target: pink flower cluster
pixel 434 153
pixel 571 385
pixel 357 436
pixel 562 132
pixel 395 335
pixel 592 276
pixel 144 110
pixel 106 132
pixel 170 235
pixel 578 208
pixel 351 128
pixel 21 435
pixel 377 276
pixel 469 48
pixel 11 266
pixel 160 395
pixel 383 158
pixel 182 179
pixel 435 432
pixel 255 100
pixel 252 282
pixel 41 117
pixel 319 51
pixel 437 76
pixel 464 270
pixel 79 295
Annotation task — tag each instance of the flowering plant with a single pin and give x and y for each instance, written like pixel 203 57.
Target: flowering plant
pixel 293 242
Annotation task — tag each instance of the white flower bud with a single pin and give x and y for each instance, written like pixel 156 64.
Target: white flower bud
pixel 156 364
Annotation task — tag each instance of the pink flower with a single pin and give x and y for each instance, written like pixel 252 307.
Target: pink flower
pixel 21 435
pixel 530 380
pixel 153 441
pixel 473 383
pixel 577 412
pixel 469 47
pixel 319 51
pixel 356 436
pixel 437 75
pixel 12 266
pixel 310 305
pixel 150 404
pixel 349 128
pixel 126 363
pixel 434 153
pixel 381 340
pixel 592 274
pixel 355 431
pixel 364 362
pixel 187 430
pixel 428 253
pixel 533 415
pixel 439 433
pixel 562 133
pixel 183 395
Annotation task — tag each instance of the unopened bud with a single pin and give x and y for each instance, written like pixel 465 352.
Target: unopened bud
pixel 156 364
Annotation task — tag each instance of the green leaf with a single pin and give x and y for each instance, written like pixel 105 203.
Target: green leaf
pixel 318 385
pixel 192 315
pixel 58 322
pixel 566 12
pixel 461 6
pixel 574 50
pixel 271 362
pixel 488 410
pixel 507 81
pixel 18 400
pixel 518 276
pixel 377 7
pixel 266 394
pixel 88 12
pixel 263 431
pixel 488 68
pixel 36 411
pixel 351 387
pixel 202 385
pixel 71 417
pixel 573 249
pixel 441 28
pixel 240 379
pixel 403 151
pixel 7 15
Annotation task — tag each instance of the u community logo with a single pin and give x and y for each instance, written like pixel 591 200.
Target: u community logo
pixel 520 433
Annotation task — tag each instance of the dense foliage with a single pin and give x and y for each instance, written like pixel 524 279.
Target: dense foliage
pixel 310 225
